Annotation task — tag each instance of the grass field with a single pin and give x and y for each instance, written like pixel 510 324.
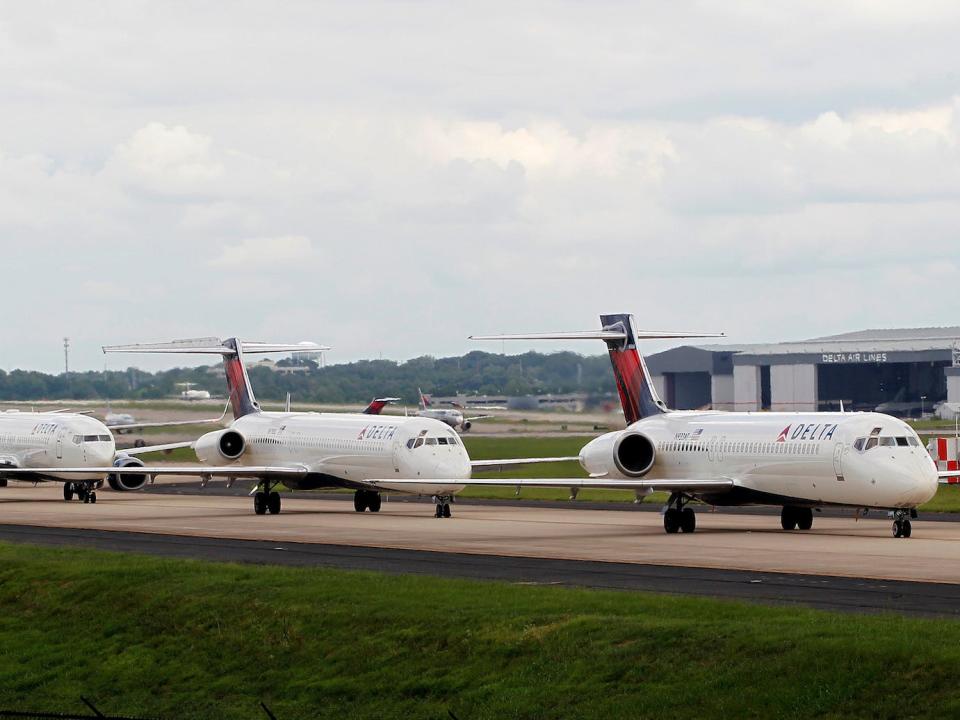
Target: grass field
pixel 179 639
pixel 486 448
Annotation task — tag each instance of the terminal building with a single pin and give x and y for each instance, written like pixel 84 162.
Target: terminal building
pixel 905 372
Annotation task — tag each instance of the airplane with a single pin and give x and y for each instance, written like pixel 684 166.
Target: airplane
pixel 453 417
pixel 121 423
pixel 37 446
pixel 799 461
pixel 310 450
pixel 377 405
pixel 188 393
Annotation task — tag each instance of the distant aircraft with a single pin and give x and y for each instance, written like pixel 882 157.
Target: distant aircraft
pixel 72 448
pixel 453 417
pixel 121 423
pixel 189 394
pixel 800 461
pixel 377 405
pixel 309 450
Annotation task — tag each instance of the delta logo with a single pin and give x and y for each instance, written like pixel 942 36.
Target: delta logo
pixel 808 431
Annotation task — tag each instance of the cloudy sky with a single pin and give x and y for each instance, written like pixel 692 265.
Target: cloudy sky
pixel 389 178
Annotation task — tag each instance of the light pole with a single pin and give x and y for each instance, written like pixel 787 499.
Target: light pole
pixel 922 398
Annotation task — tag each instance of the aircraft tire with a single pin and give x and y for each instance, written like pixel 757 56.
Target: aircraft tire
pixel 688 520
pixel 260 503
pixel 804 517
pixel 68 491
pixel 93 498
pixel 273 503
pixel 671 521
pixel 359 501
pixel 788 518
pixel 375 502
pixel 446 510
pixel 907 528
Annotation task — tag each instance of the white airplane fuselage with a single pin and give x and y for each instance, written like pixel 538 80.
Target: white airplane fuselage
pixel 866 460
pixel 340 449
pixel 45 440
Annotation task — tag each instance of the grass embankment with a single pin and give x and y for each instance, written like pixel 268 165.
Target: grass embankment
pixel 487 448
pixel 173 638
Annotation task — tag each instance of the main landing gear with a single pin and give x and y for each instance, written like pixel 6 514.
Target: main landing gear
pixel 266 499
pixel 367 500
pixel 85 492
pixel 796 518
pixel 442 503
pixel 677 517
pixel 901 522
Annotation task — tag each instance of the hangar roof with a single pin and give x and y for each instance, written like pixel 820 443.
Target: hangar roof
pixel 894 344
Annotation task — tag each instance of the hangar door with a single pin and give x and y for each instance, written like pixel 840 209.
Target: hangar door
pixel 687 390
pixel 899 386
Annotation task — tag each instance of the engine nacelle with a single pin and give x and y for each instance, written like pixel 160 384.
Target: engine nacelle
pixel 127 482
pixel 220 445
pixel 626 454
pixel 466 425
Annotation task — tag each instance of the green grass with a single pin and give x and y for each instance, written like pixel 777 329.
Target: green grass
pixel 171 638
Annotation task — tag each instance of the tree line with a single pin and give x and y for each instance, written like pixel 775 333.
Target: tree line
pixel 475 373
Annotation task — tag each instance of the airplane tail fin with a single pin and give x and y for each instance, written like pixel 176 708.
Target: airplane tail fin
pixel 638 396
pixel 232 350
pixel 377 405
pixel 424 400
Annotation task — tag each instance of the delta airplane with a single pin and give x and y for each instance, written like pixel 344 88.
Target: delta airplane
pixel 800 461
pixel 71 448
pixel 309 450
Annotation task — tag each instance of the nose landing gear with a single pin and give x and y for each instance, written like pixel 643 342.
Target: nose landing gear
pixel 677 517
pixel 85 492
pixel 442 503
pixel 901 523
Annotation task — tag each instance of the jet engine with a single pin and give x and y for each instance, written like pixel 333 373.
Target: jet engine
pixel 222 444
pixel 626 453
pixel 125 482
pixel 466 425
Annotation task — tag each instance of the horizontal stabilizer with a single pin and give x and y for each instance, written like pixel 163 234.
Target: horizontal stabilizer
pixel 600 335
pixel 213 346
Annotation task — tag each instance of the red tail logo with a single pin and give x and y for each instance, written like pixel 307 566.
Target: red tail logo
pixel 783 435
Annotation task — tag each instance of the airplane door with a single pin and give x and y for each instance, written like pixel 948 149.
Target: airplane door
pixel 396 453
pixel 838 460
pixel 60 445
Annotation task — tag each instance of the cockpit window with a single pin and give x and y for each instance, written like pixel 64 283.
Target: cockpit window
pixel 913 442
pixel 96 438
pixel 858 444
pixel 871 443
pixel 419 442
pixel 902 442
pixel 77 439
pixel 452 440
pixel 887 442
pixel 442 440
pixel 431 441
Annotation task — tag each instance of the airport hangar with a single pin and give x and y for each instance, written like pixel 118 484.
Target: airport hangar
pixel 907 370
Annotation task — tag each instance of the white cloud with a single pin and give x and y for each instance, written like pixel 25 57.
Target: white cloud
pixel 254 253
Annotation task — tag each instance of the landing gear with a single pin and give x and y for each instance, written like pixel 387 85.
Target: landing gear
pixel 85 492
pixel 367 500
pixel 3 482
pixel 266 499
pixel 442 503
pixel 796 518
pixel 901 523
pixel 677 517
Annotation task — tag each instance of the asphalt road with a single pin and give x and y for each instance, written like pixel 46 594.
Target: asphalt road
pixel 816 591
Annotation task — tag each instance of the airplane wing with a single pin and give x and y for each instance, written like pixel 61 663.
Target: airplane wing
pixel 173 423
pixel 687 486
pixel 478 417
pixel 485 465
pixel 155 448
